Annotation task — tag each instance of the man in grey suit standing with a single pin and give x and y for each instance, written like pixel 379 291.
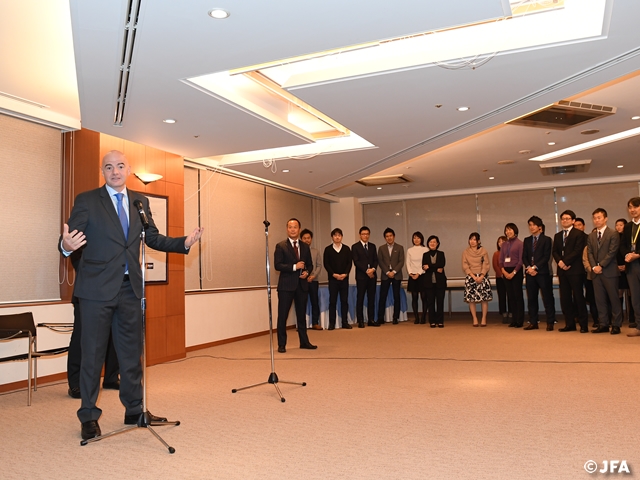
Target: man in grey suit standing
pixel 106 225
pixel 391 261
pixel 602 250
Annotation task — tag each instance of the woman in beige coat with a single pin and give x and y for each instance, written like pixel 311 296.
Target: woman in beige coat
pixel 477 289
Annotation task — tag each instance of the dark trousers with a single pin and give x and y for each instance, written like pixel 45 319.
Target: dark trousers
pixel 540 283
pixel 121 317
pixel 435 301
pixel 633 278
pixel 366 287
pixel 415 296
pixel 606 295
pixel 515 296
pixel 285 299
pixel 572 300
pixel 315 303
pixel 501 287
pixel 382 301
pixel 74 357
pixel 590 298
pixel 338 287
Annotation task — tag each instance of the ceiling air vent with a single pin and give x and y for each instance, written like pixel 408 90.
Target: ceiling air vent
pixel 382 180
pixel 563 115
pixel 125 61
pixel 575 166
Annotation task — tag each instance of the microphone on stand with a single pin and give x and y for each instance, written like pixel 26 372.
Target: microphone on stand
pixel 143 216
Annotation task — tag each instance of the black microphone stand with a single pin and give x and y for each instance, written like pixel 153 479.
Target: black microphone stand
pixel 273 377
pixel 144 421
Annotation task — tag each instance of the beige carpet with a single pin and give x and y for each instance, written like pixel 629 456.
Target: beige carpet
pixel 396 402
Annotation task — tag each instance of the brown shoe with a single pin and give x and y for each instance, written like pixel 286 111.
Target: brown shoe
pixel 634 333
pixel 316 327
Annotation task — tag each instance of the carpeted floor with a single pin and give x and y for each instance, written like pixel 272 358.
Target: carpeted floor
pixel 396 402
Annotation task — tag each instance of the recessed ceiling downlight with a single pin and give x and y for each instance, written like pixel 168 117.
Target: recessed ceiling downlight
pixel 219 13
pixel 169 120
pixel 505 162
pixel 463 109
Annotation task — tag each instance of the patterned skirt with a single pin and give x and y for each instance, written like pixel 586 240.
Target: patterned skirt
pixel 477 292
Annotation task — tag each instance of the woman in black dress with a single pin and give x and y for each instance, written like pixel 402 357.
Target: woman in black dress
pixel 433 263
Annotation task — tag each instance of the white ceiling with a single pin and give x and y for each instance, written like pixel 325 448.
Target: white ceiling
pixel 440 149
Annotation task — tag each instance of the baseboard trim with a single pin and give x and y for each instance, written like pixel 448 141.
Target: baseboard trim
pixel 231 340
pixel 22 384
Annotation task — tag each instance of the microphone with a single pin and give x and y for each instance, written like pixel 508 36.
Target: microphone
pixel 143 216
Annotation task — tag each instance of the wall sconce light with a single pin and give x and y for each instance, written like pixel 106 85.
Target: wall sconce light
pixel 147 178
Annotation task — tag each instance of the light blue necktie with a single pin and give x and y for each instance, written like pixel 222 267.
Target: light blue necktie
pixel 124 221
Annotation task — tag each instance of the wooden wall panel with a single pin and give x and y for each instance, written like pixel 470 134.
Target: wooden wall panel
pixel 176 207
pixel 175 330
pixel 174 165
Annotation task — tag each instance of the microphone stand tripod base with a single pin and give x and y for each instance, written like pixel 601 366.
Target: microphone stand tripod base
pixel 143 422
pixel 273 380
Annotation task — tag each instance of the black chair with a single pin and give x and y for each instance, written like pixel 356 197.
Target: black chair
pixel 21 325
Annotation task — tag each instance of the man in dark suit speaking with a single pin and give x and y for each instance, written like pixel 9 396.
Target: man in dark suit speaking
pixel 292 259
pixel 105 223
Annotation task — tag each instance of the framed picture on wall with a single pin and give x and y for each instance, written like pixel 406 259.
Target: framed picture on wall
pixel 156 262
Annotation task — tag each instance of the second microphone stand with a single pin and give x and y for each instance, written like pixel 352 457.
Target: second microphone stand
pixel 273 376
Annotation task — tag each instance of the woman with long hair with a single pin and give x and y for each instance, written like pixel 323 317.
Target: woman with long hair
pixel 501 287
pixel 416 284
pixel 433 263
pixel 477 289
pixel 511 265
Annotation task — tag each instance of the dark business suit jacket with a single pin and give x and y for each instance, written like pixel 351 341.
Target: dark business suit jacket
pixel 542 254
pixel 104 256
pixel 285 258
pixel 626 240
pixel 571 254
pixel 395 260
pixel 441 278
pixel 605 254
pixel 364 259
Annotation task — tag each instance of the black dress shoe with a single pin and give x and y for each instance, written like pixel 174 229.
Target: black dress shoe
pixel 416 321
pixel 74 392
pixel 595 325
pixel 282 350
pixel 615 330
pixel 432 325
pixel 111 385
pixel 331 327
pixel 308 346
pixel 531 326
pixel 517 325
pixel 373 324
pixel 360 324
pixel 441 325
pixel 395 321
pixel 513 325
pixel 549 327
pixel 567 329
pixel 136 419
pixel 346 326
pixel 90 429
pixel 600 330
pixel 585 330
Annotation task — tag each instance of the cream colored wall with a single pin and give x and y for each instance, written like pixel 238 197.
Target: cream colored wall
pixel 347 215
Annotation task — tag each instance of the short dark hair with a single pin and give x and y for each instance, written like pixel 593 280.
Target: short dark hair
pixel 433 237
pixel 571 213
pixel 634 201
pixel 306 231
pixel 503 238
pixel 600 210
pixel 336 230
pixel 294 220
pixel 537 221
pixel 581 220
pixel 389 230
pixel 363 228
pixel 420 236
pixel 512 226
pixel 475 235
pixel 623 220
